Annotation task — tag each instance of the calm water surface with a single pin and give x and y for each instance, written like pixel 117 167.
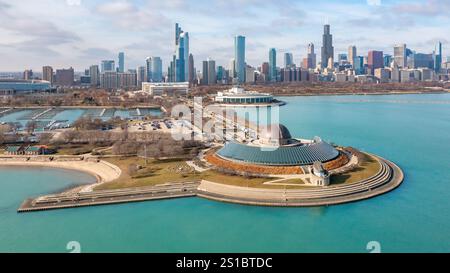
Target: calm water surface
pixel 411 130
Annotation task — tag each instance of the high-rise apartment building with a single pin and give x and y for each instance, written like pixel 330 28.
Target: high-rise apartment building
pixel 28 74
pixel 205 73
pixel 352 55
pixel 311 56
pixel 65 77
pixel 108 66
pixel 288 60
pixel 212 76
pixel 121 62
pixel 153 69
pixel 156 69
pixel 272 65
pixel 47 74
pixel 239 57
pixel 400 55
pixel 141 75
pixel 94 73
pixel 375 60
pixel 191 70
pixel 232 68
pixel 265 70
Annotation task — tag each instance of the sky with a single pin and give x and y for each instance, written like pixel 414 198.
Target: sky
pixel 79 33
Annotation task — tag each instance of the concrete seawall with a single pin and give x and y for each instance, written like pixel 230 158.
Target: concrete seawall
pixel 86 199
pixel 389 177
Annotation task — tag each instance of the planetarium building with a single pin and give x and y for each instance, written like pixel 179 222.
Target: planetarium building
pixel 276 147
pixel 275 151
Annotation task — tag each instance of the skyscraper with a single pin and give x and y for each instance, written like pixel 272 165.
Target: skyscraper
pixel 352 55
pixel 205 73
pixel 108 66
pixel 327 47
pixel 156 69
pixel 179 66
pixel 272 65
pixel 185 37
pixel 265 70
pixel 140 77
pixel 400 55
pixel 47 74
pixel 191 70
pixel 65 77
pixel 420 60
pixel 438 58
pixel 212 77
pixel 310 60
pixel 359 65
pixel 95 75
pixel 180 61
pixel 375 60
pixel 387 60
pixel 148 69
pixel 288 60
pixel 121 62
pixel 232 68
pixel 28 74
pixel 153 69
pixel 239 57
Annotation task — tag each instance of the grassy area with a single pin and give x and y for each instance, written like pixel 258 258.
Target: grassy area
pixel 296 181
pixel 164 171
pixel 72 149
pixel 137 173
pixel 153 173
pixel 367 168
pixel 235 180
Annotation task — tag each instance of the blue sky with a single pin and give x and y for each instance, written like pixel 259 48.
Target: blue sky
pixel 79 33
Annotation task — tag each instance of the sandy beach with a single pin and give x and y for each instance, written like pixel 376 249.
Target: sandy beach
pixel 102 170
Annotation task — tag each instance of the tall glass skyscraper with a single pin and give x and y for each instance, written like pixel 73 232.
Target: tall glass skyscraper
pixel 156 69
pixel 121 62
pixel 438 59
pixel 327 47
pixel 239 57
pixel 288 60
pixel 108 66
pixel 179 66
pixel 153 69
pixel 272 65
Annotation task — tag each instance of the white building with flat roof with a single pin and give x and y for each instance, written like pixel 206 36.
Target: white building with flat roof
pixel 169 88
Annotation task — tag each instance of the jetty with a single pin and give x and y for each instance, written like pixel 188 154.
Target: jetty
pixel 107 197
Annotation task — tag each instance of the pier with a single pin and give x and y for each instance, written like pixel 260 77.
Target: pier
pixel 107 197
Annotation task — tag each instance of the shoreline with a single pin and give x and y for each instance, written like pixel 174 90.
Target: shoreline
pixel 360 94
pixel 102 171
pixel 388 178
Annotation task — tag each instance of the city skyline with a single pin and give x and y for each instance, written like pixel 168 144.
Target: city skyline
pixel 34 41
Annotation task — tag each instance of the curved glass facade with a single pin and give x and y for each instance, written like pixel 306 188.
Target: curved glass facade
pixel 252 99
pixel 281 156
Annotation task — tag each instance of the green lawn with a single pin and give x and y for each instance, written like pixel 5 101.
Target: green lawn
pixel 367 168
pixel 156 172
pixel 153 173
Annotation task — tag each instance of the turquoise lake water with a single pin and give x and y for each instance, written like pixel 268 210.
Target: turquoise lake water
pixel 411 130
